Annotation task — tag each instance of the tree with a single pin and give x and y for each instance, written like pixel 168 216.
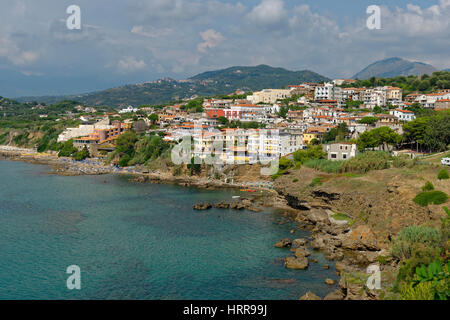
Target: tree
pixel 153 118
pixel 342 131
pixel 330 136
pixel 223 121
pixel 67 149
pixel 81 155
pixel 382 136
pixel 125 143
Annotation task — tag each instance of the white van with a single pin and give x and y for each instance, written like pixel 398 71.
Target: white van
pixel 445 161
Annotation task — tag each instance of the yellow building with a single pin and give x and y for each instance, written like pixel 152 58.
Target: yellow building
pixel 269 96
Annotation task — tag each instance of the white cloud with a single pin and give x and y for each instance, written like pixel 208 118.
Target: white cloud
pixel 130 64
pixel 268 12
pixel 11 51
pixel 211 39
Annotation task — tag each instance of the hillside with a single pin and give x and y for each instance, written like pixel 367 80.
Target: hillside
pixel 394 67
pixel 206 84
pixel 425 84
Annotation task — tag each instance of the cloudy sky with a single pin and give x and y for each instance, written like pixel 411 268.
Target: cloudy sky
pixel 133 41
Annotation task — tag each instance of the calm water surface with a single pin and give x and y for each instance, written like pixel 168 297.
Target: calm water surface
pixel 139 241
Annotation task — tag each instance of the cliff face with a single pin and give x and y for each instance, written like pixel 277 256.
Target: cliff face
pixel 382 199
pixel 354 218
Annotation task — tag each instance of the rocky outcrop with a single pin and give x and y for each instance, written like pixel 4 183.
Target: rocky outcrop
pixel 296 263
pixel 283 243
pixel 202 206
pixel 299 243
pixel 310 296
pixel 302 252
pixel 361 238
pixel 335 295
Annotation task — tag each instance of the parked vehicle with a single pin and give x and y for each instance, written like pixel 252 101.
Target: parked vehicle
pixel 445 161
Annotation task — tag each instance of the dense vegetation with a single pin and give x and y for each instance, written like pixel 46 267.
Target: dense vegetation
pixel 424 84
pixel 423 253
pixel 428 133
pixel 132 149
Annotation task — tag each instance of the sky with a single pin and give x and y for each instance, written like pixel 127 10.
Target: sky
pixel 133 41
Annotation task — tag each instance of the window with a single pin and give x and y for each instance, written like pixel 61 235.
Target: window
pixel 344 156
pixel 333 156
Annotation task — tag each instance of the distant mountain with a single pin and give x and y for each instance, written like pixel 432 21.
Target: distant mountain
pixel 210 83
pixel 446 69
pixel 394 67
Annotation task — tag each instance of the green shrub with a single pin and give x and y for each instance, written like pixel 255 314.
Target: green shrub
pixel 285 164
pixel 124 160
pixel 313 152
pixel 423 291
pixel 295 180
pixel 316 182
pixel 403 161
pixel 409 238
pixel 431 197
pixel 81 155
pixel 443 175
pixel 324 165
pixel 365 162
pixel 428 186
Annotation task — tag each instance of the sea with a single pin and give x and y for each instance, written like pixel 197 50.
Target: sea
pixel 132 240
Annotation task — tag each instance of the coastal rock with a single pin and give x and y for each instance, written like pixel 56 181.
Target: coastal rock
pixel 318 216
pixel 237 206
pixel 296 263
pixel 361 238
pixel 310 296
pixel 318 243
pixel 326 266
pixel 283 243
pixel 202 206
pixel 222 205
pixel 299 243
pixel 330 281
pixel 335 295
pixel 302 252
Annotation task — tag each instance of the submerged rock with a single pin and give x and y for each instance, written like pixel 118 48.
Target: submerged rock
pixel 283 243
pixel 202 206
pixel 296 263
pixel 302 252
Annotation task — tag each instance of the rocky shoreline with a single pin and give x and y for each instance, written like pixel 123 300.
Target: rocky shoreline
pixel 353 250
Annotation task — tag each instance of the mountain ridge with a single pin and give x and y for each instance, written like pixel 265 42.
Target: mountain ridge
pixel 209 83
pixel 393 67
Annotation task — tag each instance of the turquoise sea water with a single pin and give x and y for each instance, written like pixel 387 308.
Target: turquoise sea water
pixel 139 241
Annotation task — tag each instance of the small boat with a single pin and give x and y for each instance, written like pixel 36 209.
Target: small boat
pixel 236 197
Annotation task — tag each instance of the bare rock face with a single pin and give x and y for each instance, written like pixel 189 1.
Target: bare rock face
pixel 319 216
pixel 283 243
pixel 296 263
pixel 202 206
pixel 310 296
pixel 361 238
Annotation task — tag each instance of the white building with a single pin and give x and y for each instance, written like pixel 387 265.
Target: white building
pixel 403 115
pixel 129 109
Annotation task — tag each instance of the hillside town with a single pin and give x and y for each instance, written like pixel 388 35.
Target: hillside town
pixel 270 123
